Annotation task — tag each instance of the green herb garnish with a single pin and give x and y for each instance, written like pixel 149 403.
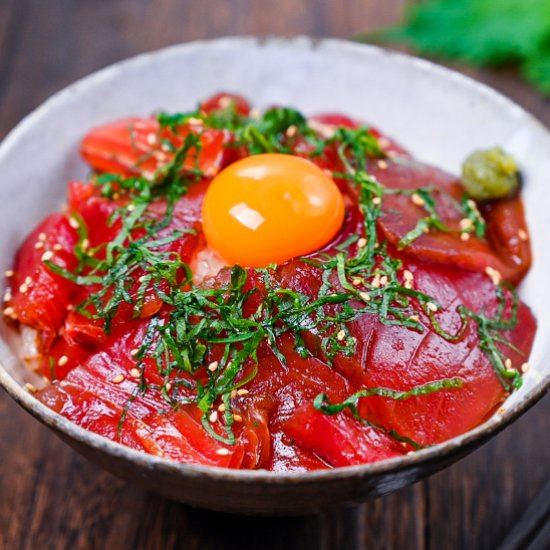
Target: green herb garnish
pixel 196 322
pixel 482 32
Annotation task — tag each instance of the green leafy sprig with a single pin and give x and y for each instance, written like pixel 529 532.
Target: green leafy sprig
pixel 481 32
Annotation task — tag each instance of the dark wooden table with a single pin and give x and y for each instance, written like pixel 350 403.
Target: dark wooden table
pixel 52 498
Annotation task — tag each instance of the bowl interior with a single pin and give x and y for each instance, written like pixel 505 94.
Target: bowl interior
pixel 439 115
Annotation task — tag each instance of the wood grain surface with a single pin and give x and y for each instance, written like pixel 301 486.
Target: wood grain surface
pixel 52 498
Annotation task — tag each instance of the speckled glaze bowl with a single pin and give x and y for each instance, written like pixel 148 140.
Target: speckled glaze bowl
pixel 436 113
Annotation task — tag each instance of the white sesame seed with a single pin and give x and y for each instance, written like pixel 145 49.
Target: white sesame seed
pixel 48 255
pixel 408 284
pixel 383 280
pixel 85 244
pixel 9 312
pixel 508 363
pixel 63 360
pixel 382 164
pixel 30 388
pixel 233 394
pixel 118 379
pixel 213 366
pixel 168 386
pixel 142 278
pixel 134 373
pixel 376 281
pixel 523 235
pixel 383 142
pixel 9 273
pixel 414 318
pixel 224 102
pixel 465 223
pixel 525 367
pixel 407 275
pixel 222 452
pixel 376 201
pixel 341 335
pixel 160 156
pixel 194 120
pixel 237 418
pixel 362 242
pixel 23 288
pixel 325 130
pixel 134 352
pixel 417 199
pixel 464 236
pixel 364 296
pixel 73 222
pixel 42 237
pixel 28 280
pixel 213 417
pixel 494 275
pixel 131 207
pixel 57 247
pixel 291 130
pixel 221 408
pixel 242 392
pixel 356 281
pixel 38 245
pixel 7 295
pixel 431 306
pixel 151 139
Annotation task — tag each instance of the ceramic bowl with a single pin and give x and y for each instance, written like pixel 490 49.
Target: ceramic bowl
pixel 436 113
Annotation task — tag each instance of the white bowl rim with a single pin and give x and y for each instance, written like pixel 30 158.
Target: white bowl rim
pixel 117 450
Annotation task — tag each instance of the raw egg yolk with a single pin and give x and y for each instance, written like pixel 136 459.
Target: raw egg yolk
pixel 270 208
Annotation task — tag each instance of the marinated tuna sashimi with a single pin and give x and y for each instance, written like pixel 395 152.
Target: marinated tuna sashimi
pixel 248 290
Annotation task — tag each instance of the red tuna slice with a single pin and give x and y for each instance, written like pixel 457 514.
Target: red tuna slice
pixel 180 441
pixel 108 375
pixel 225 100
pixel 139 146
pixel 328 122
pixel 277 390
pixel 400 359
pixel 39 297
pixel 291 456
pixel 508 235
pixel 306 279
pixel 153 433
pixel 340 440
pixel 498 250
pixel 61 357
pixel 188 421
pixel 96 212
pixel 99 416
